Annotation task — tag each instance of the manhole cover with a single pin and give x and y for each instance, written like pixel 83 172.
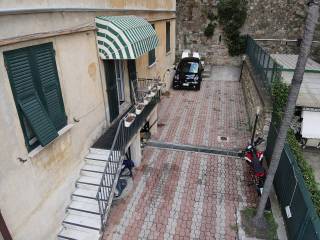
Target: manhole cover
pixel 223 139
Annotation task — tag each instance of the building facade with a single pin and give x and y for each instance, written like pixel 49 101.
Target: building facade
pixel 57 100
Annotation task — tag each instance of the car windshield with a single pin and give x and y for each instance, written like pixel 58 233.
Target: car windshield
pixel 189 67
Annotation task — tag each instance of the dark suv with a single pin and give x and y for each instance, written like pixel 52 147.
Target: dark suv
pixel 188 74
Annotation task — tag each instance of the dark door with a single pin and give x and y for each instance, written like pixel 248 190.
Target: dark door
pixel 133 79
pixel 111 82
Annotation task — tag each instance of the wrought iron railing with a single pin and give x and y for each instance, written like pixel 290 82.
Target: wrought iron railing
pixel 117 152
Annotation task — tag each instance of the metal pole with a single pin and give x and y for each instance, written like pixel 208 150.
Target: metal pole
pixel 243 60
pixel 255 125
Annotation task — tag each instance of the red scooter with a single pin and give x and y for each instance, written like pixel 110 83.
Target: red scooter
pixel 254 158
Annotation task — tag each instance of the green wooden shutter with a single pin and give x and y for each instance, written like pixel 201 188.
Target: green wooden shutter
pixel 45 64
pixel 132 78
pixel 38 119
pixel 168 37
pixel 112 92
pixel 27 100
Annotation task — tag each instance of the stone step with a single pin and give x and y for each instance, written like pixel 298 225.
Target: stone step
pixel 99 151
pixel 85 193
pixel 86 180
pixel 78 234
pixel 97 175
pixel 99 157
pixel 93 168
pixel 84 206
pixel 111 168
pixel 82 220
pixel 91 183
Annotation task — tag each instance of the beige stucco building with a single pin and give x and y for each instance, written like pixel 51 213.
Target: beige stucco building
pixel 38 172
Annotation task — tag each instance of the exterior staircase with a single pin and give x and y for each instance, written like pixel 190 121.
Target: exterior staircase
pixel 92 198
pixel 83 219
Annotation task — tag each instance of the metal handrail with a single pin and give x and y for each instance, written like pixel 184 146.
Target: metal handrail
pixel 122 137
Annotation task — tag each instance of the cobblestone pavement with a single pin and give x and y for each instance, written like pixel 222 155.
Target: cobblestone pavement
pixel 188 195
pixel 182 195
pixel 200 118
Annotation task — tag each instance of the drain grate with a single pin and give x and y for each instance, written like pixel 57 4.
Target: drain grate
pixel 223 139
pixel 194 148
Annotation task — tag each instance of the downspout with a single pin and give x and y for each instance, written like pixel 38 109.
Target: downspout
pixel 101 82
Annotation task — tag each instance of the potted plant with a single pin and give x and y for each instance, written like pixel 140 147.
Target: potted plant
pixel 150 94
pixel 139 108
pixel 159 85
pixel 153 92
pixel 129 119
pixel 146 100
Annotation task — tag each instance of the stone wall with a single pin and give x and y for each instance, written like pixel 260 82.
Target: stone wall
pixel 256 96
pixel 267 19
pixel 279 19
pixel 192 19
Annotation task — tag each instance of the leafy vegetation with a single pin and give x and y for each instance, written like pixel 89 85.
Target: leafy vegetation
pixel 209 30
pixel 280 93
pixel 269 233
pixel 232 15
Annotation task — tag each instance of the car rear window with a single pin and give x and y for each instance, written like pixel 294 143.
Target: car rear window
pixel 189 67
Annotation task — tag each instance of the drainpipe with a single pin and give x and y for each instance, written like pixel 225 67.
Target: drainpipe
pixel 255 125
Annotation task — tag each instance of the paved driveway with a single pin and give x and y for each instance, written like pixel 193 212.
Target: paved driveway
pixel 188 195
pixel 202 118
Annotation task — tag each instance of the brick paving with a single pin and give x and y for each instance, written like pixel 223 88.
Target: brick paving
pixel 188 195
pixel 200 118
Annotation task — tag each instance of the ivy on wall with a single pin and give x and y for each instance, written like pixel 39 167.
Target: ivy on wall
pixel 280 91
pixel 232 15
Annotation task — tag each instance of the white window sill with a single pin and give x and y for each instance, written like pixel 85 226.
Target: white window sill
pixel 152 65
pixel 38 149
pixel 169 53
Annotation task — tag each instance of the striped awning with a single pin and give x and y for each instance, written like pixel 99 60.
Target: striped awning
pixel 124 37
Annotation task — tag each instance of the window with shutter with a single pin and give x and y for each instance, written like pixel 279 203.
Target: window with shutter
pixel 168 37
pixel 35 85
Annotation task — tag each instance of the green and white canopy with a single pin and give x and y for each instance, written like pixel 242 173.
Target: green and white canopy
pixel 124 37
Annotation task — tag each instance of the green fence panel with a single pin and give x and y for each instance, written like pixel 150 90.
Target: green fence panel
pixel 291 191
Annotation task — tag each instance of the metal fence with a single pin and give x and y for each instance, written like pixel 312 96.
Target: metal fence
pixel 289 183
pixel 263 63
pixel 293 194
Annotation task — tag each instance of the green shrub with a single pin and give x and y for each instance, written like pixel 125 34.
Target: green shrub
pixel 232 15
pixel 212 17
pixel 209 30
pixel 236 46
pixel 280 93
